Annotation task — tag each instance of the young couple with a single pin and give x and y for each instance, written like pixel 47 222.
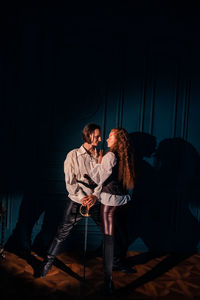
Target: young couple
pixel 103 183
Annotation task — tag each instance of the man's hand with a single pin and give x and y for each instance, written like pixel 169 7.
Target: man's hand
pixel 89 200
pixel 84 200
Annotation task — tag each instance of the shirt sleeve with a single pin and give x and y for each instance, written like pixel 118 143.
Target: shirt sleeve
pixel 100 172
pixel 72 185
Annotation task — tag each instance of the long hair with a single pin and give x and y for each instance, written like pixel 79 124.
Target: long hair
pixel 125 152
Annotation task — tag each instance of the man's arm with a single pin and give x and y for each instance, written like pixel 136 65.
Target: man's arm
pixel 72 185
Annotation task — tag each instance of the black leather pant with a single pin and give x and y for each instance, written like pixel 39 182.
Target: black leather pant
pixel 70 218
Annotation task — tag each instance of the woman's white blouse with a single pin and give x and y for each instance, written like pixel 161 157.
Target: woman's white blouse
pixel 99 173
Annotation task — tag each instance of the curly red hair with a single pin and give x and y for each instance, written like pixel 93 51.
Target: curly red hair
pixel 125 152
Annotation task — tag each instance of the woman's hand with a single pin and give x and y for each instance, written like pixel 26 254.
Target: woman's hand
pixel 100 156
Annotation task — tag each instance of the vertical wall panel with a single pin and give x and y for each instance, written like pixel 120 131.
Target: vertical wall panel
pixel 164 95
pixel 133 107
pixel 193 114
pixel 134 84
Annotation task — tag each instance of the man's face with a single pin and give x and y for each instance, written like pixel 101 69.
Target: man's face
pixel 95 137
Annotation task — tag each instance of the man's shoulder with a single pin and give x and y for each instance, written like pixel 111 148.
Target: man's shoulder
pixel 74 152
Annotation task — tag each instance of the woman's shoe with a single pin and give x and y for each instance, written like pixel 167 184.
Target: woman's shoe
pixel 108 287
pixel 122 267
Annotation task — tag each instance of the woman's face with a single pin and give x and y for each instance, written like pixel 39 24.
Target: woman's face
pixel 111 139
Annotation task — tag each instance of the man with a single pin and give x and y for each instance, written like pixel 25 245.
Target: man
pixel 77 164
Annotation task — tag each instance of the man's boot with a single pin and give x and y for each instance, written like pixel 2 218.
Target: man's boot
pixel 49 259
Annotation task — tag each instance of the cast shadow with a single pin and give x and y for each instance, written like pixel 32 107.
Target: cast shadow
pixel 143 258
pixel 171 226
pixel 162 267
pixel 160 213
pixel 39 204
pixel 35 263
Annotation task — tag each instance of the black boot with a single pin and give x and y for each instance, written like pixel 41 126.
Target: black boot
pixel 46 266
pixel 108 247
pixel 108 287
pixel 49 259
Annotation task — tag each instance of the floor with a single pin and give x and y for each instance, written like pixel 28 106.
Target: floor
pixel 157 277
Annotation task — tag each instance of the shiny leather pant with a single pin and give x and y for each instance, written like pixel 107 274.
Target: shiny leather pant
pixel 107 218
pixel 70 218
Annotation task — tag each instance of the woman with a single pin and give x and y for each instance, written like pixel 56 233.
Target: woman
pixel 115 176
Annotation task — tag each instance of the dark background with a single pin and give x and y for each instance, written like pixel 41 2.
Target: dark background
pixel 122 63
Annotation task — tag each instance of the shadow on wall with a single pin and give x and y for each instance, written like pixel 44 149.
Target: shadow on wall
pixel 40 212
pixel 165 207
pixel 39 202
pixel 177 165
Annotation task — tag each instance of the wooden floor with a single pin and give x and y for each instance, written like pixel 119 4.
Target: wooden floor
pixel 158 277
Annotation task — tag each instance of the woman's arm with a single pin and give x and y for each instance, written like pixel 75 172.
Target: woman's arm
pixel 102 171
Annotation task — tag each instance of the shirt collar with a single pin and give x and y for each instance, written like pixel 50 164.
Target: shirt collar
pixel 82 150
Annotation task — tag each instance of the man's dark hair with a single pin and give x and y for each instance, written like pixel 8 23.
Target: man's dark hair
pixel 87 130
